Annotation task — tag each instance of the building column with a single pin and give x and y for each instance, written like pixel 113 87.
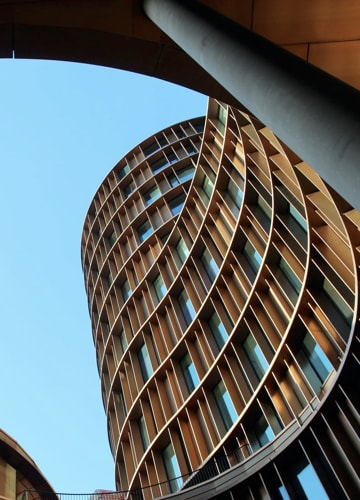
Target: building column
pixel 315 114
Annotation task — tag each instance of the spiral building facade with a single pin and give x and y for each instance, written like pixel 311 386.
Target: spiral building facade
pixel 225 314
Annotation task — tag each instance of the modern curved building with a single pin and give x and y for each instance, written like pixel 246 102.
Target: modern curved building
pixel 20 477
pixel 225 316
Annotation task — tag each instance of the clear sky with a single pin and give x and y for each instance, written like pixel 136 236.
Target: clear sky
pixel 63 127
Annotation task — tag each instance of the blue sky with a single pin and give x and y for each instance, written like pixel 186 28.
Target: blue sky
pixel 63 127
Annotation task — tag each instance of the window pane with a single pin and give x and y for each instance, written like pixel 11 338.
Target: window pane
pixel 314 363
pixel 148 150
pixel 209 264
pixel 143 433
pixel 189 371
pixel 144 230
pixel 186 173
pixel 340 304
pixel 123 171
pixel 126 290
pixel 145 363
pixel 173 180
pixel 112 238
pixel 172 468
pixel 207 188
pixel 186 307
pixel 235 193
pixel 152 194
pixel 176 204
pixel 218 330
pixel 260 434
pixel 253 256
pixel 158 165
pixel 128 189
pixel 255 355
pixel 182 250
pixel 225 404
pixel 159 286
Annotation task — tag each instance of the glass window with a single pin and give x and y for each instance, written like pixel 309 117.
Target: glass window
pixel 199 127
pixel 123 341
pixel 186 307
pixel 159 164
pixel 128 189
pixel 182 250
pixel 189 371
pixel 125 290
pixel 340 304
pixel 190 148
pixel 261 433
pixel 145 363
pixel 159 286
pixel 290 275
pixel 209 264
pixel 180 133
pixel 109 279
pixel 235 192
pixel 123 171
pixel 207 189
pixel 112 238
pixel 177 203
pixel 253 256
pixel 298 217
pixel 173 180
pixel 144 230
pixel 221 114
pixel 218 330
pixel 172 468
pixel 152 194
pixel 314 362
pixel 186 173
pixel 143 433
pixel 162 141
pixel 151 148
pixel 255 356
pixel 225 404
pixel 172 157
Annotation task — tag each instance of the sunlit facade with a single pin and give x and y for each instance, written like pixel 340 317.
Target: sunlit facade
pixel 224 310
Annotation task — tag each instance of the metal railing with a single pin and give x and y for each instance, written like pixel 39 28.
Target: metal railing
pixel 211 469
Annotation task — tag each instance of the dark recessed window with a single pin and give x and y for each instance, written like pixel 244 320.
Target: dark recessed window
pixel 152 194
pixel 172 468
pixel 182 250
pixel 150 149
pixel 210 266
pixel 128 189
pixel 159 164
pixel 145 230
pixel 255 356
pixel 123 171
pixel 225 404
pixel 186 306
pixel 159 286
pixel 218 330
pixel 143 433
pixel 177 203
pixel 314 362
pixel 145 363
pixel 125 290
pixel 189 371
pixel 186 173
pixel 112 238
